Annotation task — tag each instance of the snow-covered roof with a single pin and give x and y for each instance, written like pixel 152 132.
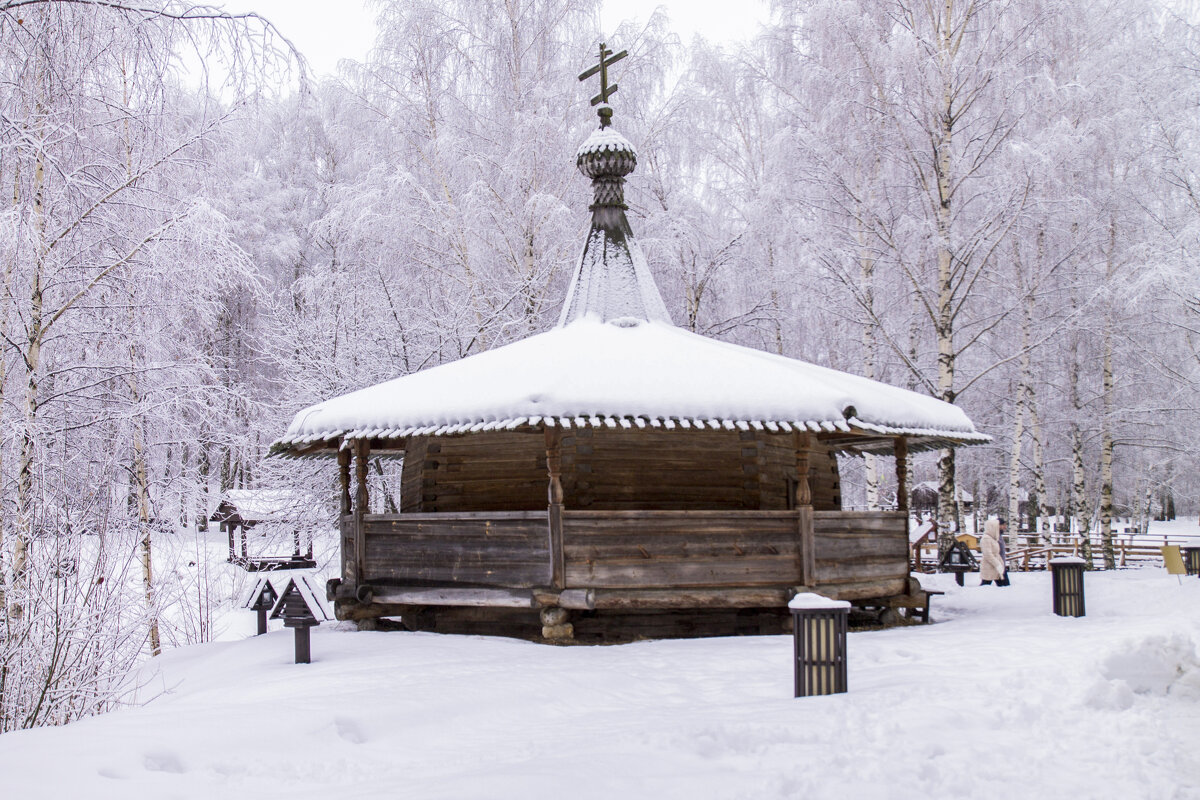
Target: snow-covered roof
pixel 616 360
pixel 257 505
pixel 591 373
pixel 309 587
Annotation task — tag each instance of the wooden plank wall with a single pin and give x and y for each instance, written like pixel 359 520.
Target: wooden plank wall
pixel 509 550
pixel 860 554
pixel 665 549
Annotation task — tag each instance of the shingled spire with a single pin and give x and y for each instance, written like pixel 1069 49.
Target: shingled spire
pixel 612 282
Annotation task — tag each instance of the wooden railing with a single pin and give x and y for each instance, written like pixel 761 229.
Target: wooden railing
pixel 853 554
pixel 494 548
pixel 1127 550
pixel 712 549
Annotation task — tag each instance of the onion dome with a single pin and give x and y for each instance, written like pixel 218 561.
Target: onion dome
pixel 606 157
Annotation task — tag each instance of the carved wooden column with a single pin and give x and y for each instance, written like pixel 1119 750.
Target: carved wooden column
pixel 343 460
pixel 804 512
pixel 361 452
pixel 902 474
pixel 556 622
pixel 555 510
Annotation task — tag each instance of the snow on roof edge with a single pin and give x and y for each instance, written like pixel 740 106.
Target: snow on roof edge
pixel 669 423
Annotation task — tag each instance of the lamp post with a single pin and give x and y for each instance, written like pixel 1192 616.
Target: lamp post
pixel 264 601
pixel 957 559
pixel 1191 559
pixel 293 607
pixel 819 644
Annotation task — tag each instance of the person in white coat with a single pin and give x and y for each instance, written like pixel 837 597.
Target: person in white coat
pixel 991 546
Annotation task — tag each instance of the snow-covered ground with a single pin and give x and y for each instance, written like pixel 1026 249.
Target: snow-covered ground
pixel 998 699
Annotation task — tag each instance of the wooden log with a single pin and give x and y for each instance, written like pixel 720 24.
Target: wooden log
pixel 683 514
pixel 744 572
pixel 450 516
pixel 691 598
pixel 829 522
pixel 901 452
pixel 864 590
pixel 859 570
pixel 574 599
pixel 851 546
pixel 498 598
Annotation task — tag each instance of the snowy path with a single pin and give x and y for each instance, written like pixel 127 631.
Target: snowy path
pixel 1000 699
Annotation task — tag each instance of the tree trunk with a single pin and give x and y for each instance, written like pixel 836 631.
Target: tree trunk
pixel 1106 419
pixel 944 324
pixel 869 344
pixel 1039 471
pixel 1014 462
pixel 141 496
pixel 32 364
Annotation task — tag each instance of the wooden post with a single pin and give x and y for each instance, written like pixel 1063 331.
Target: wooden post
pixel 804 512
pixel 343 460
pixel 361 451
pixel 555 510
pixel 902 475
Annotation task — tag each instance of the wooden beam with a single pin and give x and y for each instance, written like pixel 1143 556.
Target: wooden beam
pixel 902 474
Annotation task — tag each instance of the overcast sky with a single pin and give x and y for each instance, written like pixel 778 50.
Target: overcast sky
pixel 326 32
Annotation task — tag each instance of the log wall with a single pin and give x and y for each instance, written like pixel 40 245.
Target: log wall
pixel 614 470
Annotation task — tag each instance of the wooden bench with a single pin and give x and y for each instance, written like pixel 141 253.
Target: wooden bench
pixel 917 599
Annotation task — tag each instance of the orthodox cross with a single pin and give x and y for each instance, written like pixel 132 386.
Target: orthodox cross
pixel 606 91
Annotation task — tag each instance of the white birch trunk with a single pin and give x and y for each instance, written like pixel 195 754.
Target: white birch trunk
pixel 1106 421
pixel 944 324
pixel 1014 463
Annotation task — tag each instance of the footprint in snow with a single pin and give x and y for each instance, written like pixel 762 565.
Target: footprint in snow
pixel 163 761
pixel 349 730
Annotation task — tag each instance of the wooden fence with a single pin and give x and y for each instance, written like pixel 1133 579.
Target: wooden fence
pixel 1129 550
